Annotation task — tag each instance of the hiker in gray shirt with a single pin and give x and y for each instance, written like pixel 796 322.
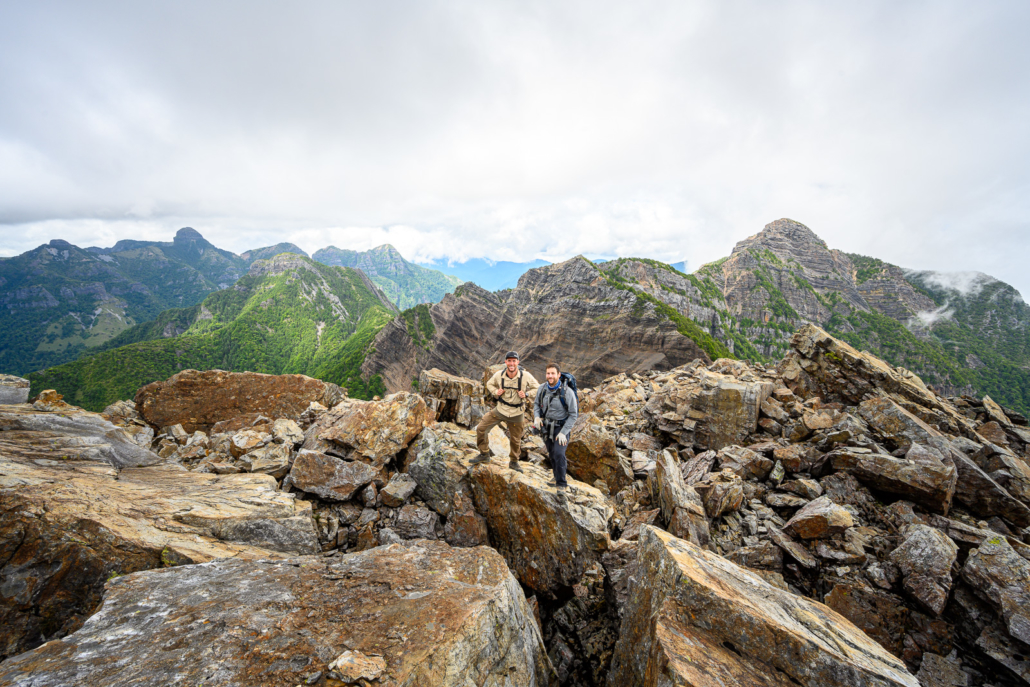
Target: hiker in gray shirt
pixel 556 410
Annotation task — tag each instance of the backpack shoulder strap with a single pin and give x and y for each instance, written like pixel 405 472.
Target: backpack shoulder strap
pixel 561 395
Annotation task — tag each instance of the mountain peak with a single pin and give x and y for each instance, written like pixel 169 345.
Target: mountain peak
pixel 187 234
pixel 784 233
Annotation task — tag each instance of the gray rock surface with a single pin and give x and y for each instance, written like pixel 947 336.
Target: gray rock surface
pixel 13 389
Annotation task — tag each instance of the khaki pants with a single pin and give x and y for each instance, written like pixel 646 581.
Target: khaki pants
pixel 515 428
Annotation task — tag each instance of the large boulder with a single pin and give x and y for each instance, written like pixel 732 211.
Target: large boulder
pixel 820 519
pixel 379 430
pixel 707 409
pixel 68 430
pixel 898 427
pixel 452 398
pixel 592 456
pixel 420 614
pixel 925 558
pixel 694 618
pixel 197 400
pixel 440 464
pixel 548 543
pixel 930 485
pixel 13 389
pixel 69 519
pixel 329 477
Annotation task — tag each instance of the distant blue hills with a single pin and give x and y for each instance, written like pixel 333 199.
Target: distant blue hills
pixel 492 276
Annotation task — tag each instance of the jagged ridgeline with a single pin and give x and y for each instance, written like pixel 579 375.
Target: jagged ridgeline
pixel 287 315
pixel 404 283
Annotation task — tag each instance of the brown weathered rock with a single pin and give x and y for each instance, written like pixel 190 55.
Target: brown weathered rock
pixel 780 500
pixel 288 432
pixel 197 400
pixel 1000 575
pixel 592 456
pixel 792 548
pixel 637 522
pixel 983 496
pixel 440 464
pixel 464 526
pixel 416 522
pixel 807 488
pixel 763 556
pixel 399 489
pixel 69 519
pixel 694 618
pixel 745 463
pixel 792 457
pixel 246 441
pixel 273 459
pixel 379 430
pixel 547 544
pixel 896 425
pixel 705 408
pixel 881 615
pixel 328 476
pixel 721 492
pixel 820 519
pixel 680 504
pixel 931 486
pixel 454 399
pixel 938 671
pixel 924 559
pixel 421 614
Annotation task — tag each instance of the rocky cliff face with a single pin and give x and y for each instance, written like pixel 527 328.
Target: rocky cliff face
pixel 569 312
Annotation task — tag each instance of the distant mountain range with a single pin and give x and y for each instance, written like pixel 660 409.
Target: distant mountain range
pixel 962 333
pixel 405 283
pixel 487 274
pixel 288 314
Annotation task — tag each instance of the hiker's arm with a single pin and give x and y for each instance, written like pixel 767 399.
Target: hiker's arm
pixel 570 421
pixel 492 384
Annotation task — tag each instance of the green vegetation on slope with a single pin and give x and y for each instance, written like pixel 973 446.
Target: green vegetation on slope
pixel 298 317
pixel 404 283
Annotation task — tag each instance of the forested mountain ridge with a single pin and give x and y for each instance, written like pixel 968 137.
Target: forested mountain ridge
pixel 405 283
pixel 287 315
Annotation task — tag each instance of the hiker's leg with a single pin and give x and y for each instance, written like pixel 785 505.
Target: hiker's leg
pixel 489 421
pixel 559 464
pixel 515 430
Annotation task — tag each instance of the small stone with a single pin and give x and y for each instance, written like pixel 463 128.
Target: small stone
pixel 246 441
pixel 398 490
pixel 820 518
pixel 287 432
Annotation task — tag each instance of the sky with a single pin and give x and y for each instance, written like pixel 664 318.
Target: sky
pixel 522 130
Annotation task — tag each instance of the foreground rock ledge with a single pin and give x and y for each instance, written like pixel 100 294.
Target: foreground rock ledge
pixel 694 618
pixel 421 614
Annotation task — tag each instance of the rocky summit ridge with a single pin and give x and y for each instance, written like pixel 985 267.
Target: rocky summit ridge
pixel 827 521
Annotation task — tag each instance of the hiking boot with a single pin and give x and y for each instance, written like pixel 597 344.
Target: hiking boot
pixel 514 465
pixel 480 459
pixel 562 498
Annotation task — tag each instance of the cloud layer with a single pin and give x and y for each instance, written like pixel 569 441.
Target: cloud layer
pixel 522 130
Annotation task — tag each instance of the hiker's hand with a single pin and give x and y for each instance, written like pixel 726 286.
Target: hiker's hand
pixel 562 439
pixel 522 394
pixel 500 392
pixel 537 422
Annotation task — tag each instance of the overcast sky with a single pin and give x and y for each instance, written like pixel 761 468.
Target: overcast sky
pixel 522 130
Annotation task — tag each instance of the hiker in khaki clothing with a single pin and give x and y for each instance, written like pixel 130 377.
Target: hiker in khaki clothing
pixel 514 389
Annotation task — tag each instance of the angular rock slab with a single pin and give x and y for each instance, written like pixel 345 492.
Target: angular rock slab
pixel 925 559
pixel 931 486
pixel 328 476
pixel 427 613
pixel 694 618
pixel 547 544
pixel 1002 576
pixel 197 400
pixel 67 525
pixel 592 455
pixel 380 429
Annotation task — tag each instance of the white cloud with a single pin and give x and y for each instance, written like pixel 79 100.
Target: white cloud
pixel 522 130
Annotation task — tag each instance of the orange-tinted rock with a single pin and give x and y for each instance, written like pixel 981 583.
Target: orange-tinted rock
pixel 422 614
pixel 328 476
pixel 197 400
pixel 820 519
pixel 548 544
pixel 379 430
pixel 694 618
pixel 592 456
pixel 932 486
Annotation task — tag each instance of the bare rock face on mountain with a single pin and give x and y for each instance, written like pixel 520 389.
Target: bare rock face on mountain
pixel 451 398
pixel 72 515
pixel 420 614
pixel 567 312
pixel 197 400
pixel 694 618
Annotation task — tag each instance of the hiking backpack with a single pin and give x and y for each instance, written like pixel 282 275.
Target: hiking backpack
pixel 567 379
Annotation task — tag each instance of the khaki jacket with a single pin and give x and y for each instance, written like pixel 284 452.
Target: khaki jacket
pixel 511 392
